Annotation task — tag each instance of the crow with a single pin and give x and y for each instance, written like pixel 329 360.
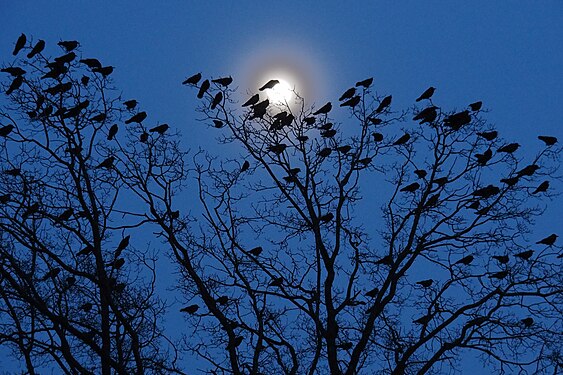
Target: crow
pixel 87 250
pixel 423 319
pixel 402 140
pixel 160 129
pixel 223 300
pixel 348 94
pixel 175 214
pixel 549 240
pixel 112 131
pixel 260 109
pixel 91 63
pixel 432 201
pixel 465 260
pixel 420 173
pixel 13 172
pixel 117 264
pixel 68 45
pixel 426 115
pixel 309 120
pixel 65 215
pixel 386 261
pixel 326 126
pixel 235 343
pixel 30 210
pixel 365 161
pixel 107 163
pixel 386 102
pixel 474 205
pixel 14 71
pixel 425 283
pixel 351 102
pixel 489 136
pixel 38 48
pixel 59 88
pixel 328 133
pixel 427 94
pixel 509 148
pixel 144 137
pixel 104 71
pixel 373 292
pixel 377 137
pixel 256 251
pixel 225 81
pixel 277 281
pixel 326 217
pixel 20 43
pixel 138 118
pixel 325 152
pixel 411 188
pixel 122 245
pixel 99 117
pixel 253 100
pixel 541 188
pixel 344 149
pixel 245 166
pixel 525 254
pixel 191 309
pixel 277 148
pixel 193 80
pixel 217 100
pixel 65 59
pixel 130 104
pixel 528 322
pixel 218 124
pixel 302 138
pixel 440 181
pixel 375 120
pixel 483 159
pixel 16 84
pixel 457 120
pixel 269 85
pixel 365 83
pixel 528 170
pixel 503 259
pixel 324 109
pixel 476 106
pixel 51 274
pixel 85 80
pixel 548 140
pixel 498 275
pixel 486 192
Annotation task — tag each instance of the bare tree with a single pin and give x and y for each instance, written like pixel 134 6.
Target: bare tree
pixel 292 268
pixel 76 293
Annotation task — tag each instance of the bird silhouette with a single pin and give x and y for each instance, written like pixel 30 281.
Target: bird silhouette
pixel 253 100
pixel 549 240
pixel 365 161
pixel 474 205
pixel 476 106
pixel 325 152
pixel 527 322
pixel 373 292
pixel 130 104
pixel 386 261
pixel 122 245
pixel 309 120
pixel 328 133
pixel 16 84
pixel 269 85
pixel 402 140
pixel 65 59
pixel 14 71
pixel 57 69
pixel 326 126
pixel 225 81
pixel 160 129
pixel 13 172
pixel 528 170
pixel 326 217
pixel 302 138
pixel 425 283
pixel 59 88
pixel 489 136
pixel 457 120
pixel 423 320
pixel 20 43
pixel 37 48
pixel 245 166
pixel 235 342
pixel 87 250
pixel 112 131
pixel 218 124
pixel 344 149
pixel 259 110
pixel 375 120
pixel 427 115
pixel 377 137
pixel 85 80
pixel 324 109
pixel 525 254
pixel 107 163
pixel 411 188
pixel 91 63
pixel 86 307
pixel 348 94
pixel 104 71
pixel 503 259
pixel 420 173
pixel 351 102
pixel 385 102
pixel 486 192
pixel 427 94
pixel 465 260
pixel 193 80
pixel 498 275
pixel 256 251
pixel 65 215
pixel 432 201
pixel 223 300
pixel 191 309
pixel 365 83
pixel 99 117
pixel 276 281
pixel 217 100
pixel 138 118
pixel 483 159
pixel 542 188
pixel 440 181
pixel 277 148
pixel 51 274
pixel 68 45
pixel 32 209
pixel 116 264
pixel 548 140
pixel 144 137
pixel 509 148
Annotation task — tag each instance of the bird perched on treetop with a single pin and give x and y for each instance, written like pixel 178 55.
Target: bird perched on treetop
pixel 324 109
pixel 193 80
pixel 425 283
pixel 38 48
pixel 160 129
pixel 525 254
pixel 549 240
pixel 427 94
pixel 253 100
pixel 20 43
pixel 130 104
pixel 489 136
pixel 68 45
pixel 269 85
pixel 225 81
pixel 112 131
pixel 365 83
pixel 216 100
pixel 191 309
pixel 386 102
pixel 347 94
pixel 541 188
pixel 107 163
pixel 476 106
pixel 509 148
pixel 465 260
pixel 548 140
pixel 402 140
pixel 351 102
pixel 411 188
pixel 14 71
pixel 138 118
pixel 91 63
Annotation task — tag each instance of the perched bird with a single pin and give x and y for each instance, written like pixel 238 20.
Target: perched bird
pixel 130 104
pixel 99 117
pixel 253 100
pixel 144 137
pixel 138 118
pixel 65 59
pixel 65 215
pixel 351 102
pixel 30 210
pixel 548 140
pixel 328 133
pixel 107 163
pixel 423 319
pixel 277 148
pixel 365 83
pixel 51 274
pixel 528 322
pixel 277 281
pixel 193 80
pixel 160 129
pixel 245 166
pixel 385 102
pixel 218 124
pixel 269 85
pixel 489 136
pixel 235 343
pixel 104 71
pixel 13 172
pixel 525 254
pixel 365 161
pixel 375 120
pixel 225 81
pixel 57 70
pixel 85 80
pixel 87 250
pixel 217 100
pixel 483 159
pixel 112 131
pixel 373 292
pixel 509 148
pixel 14 71
pixel 294 171
pixel 549 240
pixel 402 140
pixel 302 138
pixel 223 300
pixel 344 149
pixel 91 63
pixel 432 201
pixel 411 188
pixel 498 275
pixel 324 109
pixel 68 45
pixel 426 115
pixel 386 261
pixel 326 217
pixel 122 245
pixel 191 309
pixel 20 43
pixel 345 345
pixel 425 283
pixel 476 106
pixel 117 264
pixel 86 307
pixel 542 188
pixel 528 170
pixel 37 48
pixel 420 173
pixel 259 109
pixel 347 94
pixel 174 215
pixel 486 192
pixel 309 120
pixel 59 88
pixel 325 152
pixel 326 126
pixel 503 259
pixel 474 205
pixel 440 181
pixel 256 251
pixel 377 137
pixel 16 84
pixel 457 120
pixel 427 94
pixel 465 260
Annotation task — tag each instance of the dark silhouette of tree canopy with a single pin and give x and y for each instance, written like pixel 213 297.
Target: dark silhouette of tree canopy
pixel 290 267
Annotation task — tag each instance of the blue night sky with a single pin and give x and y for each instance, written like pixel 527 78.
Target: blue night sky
pixel 509 54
